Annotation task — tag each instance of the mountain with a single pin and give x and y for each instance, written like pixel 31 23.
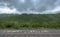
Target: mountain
pixel 30 21
pixel 29 14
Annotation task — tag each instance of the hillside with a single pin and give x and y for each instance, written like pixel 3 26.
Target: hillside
pixel 30 21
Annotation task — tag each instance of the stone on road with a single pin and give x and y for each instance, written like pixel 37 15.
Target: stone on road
pixel 29 33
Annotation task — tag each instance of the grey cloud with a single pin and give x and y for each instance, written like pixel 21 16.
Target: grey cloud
pixel 30 5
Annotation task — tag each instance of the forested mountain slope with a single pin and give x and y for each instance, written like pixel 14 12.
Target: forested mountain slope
pixel 30 21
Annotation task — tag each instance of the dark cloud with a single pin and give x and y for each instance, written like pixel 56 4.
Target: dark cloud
pixel 36 5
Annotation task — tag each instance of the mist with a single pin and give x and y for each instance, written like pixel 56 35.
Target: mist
pixel 30 6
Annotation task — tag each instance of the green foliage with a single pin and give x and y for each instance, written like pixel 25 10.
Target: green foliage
pixel 30 21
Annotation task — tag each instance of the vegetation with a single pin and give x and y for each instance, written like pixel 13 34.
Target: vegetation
pixel 30 21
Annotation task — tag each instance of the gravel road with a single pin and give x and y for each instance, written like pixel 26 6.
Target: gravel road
pixel 29 33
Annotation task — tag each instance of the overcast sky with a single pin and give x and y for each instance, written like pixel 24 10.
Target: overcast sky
pixel 30 6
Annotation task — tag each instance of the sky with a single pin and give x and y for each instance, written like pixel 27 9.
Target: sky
pixel 29 6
